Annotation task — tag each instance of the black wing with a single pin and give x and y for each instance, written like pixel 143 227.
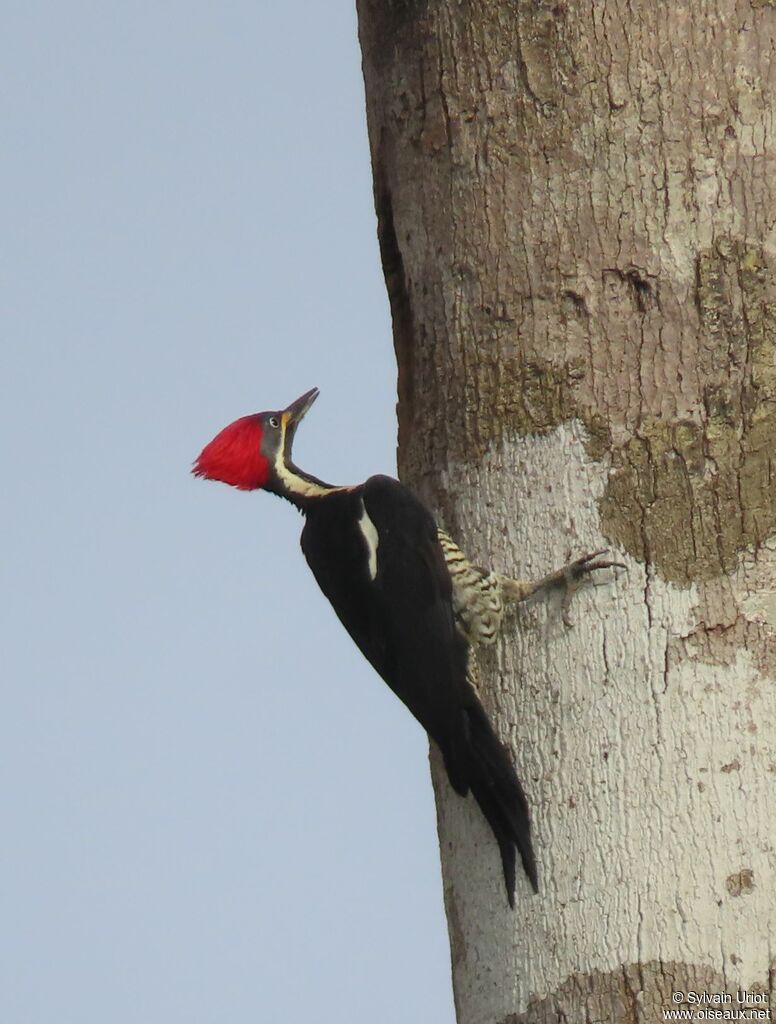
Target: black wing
pixel 402 620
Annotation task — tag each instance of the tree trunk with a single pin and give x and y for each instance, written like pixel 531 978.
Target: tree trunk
pixel 576 209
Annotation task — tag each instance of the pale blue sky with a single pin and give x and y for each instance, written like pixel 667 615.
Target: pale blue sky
pixel 212 809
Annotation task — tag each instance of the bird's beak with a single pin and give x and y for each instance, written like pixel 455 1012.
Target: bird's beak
pixel 294 414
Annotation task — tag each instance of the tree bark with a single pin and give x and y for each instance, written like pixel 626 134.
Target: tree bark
pixel 576 209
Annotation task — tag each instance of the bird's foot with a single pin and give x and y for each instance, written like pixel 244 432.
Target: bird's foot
pixel 570 577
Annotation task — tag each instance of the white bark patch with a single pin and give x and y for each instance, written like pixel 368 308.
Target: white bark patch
pixel 369 533
pixel 754 584
pixel 650 776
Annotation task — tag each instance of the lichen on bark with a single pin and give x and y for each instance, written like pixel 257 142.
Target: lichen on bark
pixel 643 994
pixel 690 495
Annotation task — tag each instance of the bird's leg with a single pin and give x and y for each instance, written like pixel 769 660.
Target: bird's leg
pixel 473 671
pixel 570 577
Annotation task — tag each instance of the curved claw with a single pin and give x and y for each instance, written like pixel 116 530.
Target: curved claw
pixel 591 562
pixel 571 577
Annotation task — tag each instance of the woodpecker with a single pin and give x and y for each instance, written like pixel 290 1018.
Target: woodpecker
pixel 411 601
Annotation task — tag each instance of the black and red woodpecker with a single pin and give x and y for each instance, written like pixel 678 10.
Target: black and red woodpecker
pixel 410 600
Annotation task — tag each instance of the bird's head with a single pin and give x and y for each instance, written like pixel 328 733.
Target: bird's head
pixel 254 452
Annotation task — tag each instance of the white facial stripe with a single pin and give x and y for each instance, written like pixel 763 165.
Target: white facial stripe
pixel 369 533
pixel 298 484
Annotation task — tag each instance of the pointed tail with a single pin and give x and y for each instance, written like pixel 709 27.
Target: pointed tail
pixel 496 788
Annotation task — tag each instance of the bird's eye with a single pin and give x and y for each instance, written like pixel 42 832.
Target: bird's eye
pixel 273 421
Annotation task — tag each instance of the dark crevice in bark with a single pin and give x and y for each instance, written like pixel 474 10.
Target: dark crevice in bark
pixel 388 22
pixel 644 297
pixel 401 309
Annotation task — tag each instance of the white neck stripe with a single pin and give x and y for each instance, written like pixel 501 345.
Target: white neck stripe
pixel 300 485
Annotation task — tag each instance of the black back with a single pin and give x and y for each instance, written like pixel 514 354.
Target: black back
pixel 403 622
pixel 403 619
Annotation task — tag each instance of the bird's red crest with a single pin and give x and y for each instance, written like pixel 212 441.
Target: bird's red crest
pixel 234 456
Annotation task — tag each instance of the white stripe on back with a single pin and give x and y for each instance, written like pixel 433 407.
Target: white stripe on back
pixel 369 533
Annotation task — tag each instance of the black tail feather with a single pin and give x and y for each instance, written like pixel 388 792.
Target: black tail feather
pixel 496 788
pixel 507 851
